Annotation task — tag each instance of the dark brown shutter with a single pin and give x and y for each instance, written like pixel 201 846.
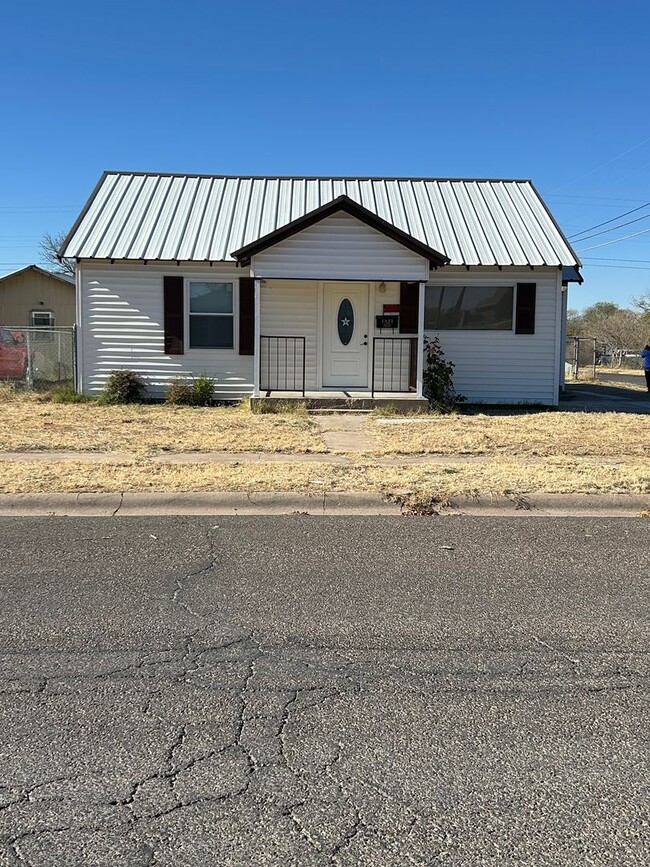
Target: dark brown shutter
pixel 525 310
pixel 174 316
pixel 409 304
pixel 246 316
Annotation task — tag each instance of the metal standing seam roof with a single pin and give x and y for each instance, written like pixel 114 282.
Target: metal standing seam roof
pixel 204 218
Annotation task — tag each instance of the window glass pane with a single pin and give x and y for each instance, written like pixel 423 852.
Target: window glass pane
pixel 477 308
pixel 211 297
pixel 211 331
pixel 41 319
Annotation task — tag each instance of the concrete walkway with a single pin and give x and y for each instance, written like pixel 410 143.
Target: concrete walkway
pixel 345 432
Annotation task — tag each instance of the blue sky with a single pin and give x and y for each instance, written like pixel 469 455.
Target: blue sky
pixel 553 91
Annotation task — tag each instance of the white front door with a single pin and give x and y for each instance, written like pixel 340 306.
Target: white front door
pixel 345 335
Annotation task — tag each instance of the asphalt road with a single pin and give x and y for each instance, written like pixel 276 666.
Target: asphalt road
pixel 322 691
pixel 622 379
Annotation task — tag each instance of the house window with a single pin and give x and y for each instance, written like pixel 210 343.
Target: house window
pixel 468 308
pixel 42 319
pixel 211 315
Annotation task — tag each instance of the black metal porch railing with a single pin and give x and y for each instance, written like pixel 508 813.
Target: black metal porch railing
pixel 394 364
pixel 282 363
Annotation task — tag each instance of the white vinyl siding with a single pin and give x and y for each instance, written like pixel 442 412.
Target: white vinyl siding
pixel 340 247
pixel 289 308
pixel 122 327
pixel 501 366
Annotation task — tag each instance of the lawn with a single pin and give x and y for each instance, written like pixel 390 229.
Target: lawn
pixel 28 423
pixel 432 456
pixel 518 433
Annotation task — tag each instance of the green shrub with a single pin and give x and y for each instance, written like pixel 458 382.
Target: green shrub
pixel 438 377
pixel 202 390
pixel 198 392
pixel 122 386
pixel 179 392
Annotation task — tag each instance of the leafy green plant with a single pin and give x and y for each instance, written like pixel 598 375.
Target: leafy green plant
pixel 196 392
pixel 202 390
pixel 122 386
pixel 438 377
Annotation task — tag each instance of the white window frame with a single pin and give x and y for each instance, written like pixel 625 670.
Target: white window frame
pixel 510 330
pixel 212 278
pixel 39 312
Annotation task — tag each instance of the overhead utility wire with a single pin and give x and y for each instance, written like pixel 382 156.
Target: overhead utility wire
pixel 602 165
pixel 613 220
pixel 611 229
pixel 615 241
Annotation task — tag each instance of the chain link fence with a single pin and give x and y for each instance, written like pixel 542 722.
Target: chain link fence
pixel 37 357
pixel 585 356
pixel 582 356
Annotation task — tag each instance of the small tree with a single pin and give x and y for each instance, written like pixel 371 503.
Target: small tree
pixel 49 247
pixel 438 377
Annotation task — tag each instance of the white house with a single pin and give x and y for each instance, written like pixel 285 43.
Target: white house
pixel 327 286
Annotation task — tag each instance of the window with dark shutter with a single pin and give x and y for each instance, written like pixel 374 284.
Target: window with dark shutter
pixel 409 308
pixel 246 316
pixel 174 315
pixel 525 310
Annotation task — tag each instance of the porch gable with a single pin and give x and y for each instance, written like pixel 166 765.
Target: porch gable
pixel 340 247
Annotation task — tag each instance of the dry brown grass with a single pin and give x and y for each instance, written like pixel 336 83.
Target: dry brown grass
pixel 547 434
pixel 502 475
pixel 30 423
pixel 527 452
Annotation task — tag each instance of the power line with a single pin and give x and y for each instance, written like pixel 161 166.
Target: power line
pixel 614 241
pixel 612 259
pixel 618 267
pixel 603 165
pixel 613 220
pixel 611 229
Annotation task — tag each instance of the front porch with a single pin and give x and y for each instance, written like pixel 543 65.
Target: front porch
pixel 339 343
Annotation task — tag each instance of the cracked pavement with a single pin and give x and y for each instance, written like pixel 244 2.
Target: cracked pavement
pixel 323 691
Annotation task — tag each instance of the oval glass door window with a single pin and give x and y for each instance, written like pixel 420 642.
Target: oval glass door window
pixel 345 321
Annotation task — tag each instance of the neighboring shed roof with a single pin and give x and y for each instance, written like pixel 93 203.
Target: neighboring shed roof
pixel 144 216
pixel 62 277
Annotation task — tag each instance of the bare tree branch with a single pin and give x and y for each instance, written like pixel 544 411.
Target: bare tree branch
pixel 49 247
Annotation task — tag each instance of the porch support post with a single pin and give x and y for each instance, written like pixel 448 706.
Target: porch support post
pixel 420 369
pixel 257 331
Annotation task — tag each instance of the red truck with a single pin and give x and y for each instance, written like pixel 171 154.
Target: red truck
pixel 13 354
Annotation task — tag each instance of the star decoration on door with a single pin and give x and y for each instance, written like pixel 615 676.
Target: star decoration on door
pixel 345 322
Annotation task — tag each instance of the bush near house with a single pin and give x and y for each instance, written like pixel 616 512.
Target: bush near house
pixel 122 386
pixel 438 377
pixel 198 392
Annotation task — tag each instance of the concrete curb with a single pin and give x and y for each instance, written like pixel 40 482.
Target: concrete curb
pixel 326 503
pixel 227 503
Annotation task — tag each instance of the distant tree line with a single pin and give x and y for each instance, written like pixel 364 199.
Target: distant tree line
pixel 619 330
